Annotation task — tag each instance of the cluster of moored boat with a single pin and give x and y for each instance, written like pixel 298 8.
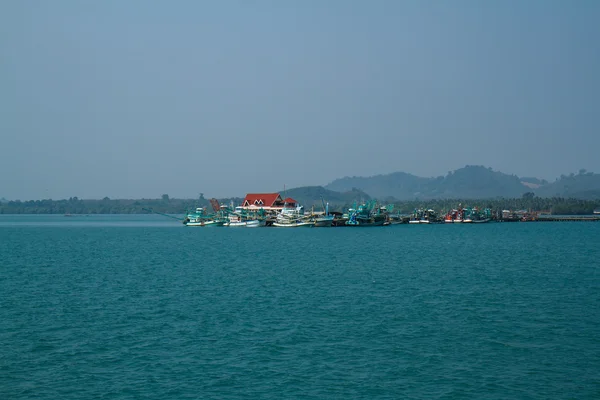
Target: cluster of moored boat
pixel 293 216
pixel 458 215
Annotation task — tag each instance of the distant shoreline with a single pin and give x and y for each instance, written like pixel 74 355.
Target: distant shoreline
pixel 166 205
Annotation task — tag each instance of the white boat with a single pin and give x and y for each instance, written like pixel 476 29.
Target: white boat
pixel 239 218
pixel 294 224
pixel 205 223
pixel 458 221
pixel 293 217
pixel 201 218
pixel 467 220
pixel 421 216
pixel 254 223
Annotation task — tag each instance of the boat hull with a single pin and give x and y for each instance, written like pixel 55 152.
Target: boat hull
pixel 204 224
pixel 256 223
pixel 366 223
pixel 245 224
pixel 339 221
pixel 323 222
pixel 293 224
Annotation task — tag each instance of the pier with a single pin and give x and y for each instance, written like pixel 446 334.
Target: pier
pixel 568 218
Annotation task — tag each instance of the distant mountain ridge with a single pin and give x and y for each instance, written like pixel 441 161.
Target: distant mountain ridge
pixel 584 185
pixel 470 182
pixel 315 196
pixel 572 194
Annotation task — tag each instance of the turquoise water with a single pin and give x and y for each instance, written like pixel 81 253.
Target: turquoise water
pixel 128 307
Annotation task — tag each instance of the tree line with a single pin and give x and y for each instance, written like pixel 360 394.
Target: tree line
pixel 73 205
pixel 552 205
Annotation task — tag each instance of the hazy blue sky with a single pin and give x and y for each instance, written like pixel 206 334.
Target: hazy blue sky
pixel 132 99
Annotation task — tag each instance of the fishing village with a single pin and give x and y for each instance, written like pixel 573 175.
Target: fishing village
pixel 273 210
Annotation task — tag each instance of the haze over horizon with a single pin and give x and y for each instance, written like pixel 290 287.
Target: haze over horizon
pixel 135 99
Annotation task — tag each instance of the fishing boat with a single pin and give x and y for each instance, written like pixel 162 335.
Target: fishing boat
pixel 325 220
pixel 366 214
pixel 450 216
pixel 481 216
pixel 292 216
pixel 294 224
pixel 242 219
pixel 201 218
pixel 468 215
pixel 293 221
pixel 416 216
pixel 339 219
pixel 253 223
pixel 454 216
pixel 421 216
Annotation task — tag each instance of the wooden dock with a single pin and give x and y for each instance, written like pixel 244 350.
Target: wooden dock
pixel 568 218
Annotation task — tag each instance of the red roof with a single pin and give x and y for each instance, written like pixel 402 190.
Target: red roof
pixel 261 199
pixel 289 200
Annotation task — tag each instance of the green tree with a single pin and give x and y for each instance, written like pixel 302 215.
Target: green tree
pixel 528 196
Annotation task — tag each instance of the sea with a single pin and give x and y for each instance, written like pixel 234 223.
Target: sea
pixel 141 307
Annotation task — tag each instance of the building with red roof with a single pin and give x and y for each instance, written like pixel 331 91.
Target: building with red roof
pixel 266 201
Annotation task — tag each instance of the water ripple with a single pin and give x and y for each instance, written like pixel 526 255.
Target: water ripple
pixel 123 312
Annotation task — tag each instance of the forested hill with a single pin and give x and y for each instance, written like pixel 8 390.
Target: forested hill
pixel 584 185
pixel 470 182
pixel 315 196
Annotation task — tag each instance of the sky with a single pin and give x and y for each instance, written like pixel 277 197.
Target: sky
pixel 135 99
